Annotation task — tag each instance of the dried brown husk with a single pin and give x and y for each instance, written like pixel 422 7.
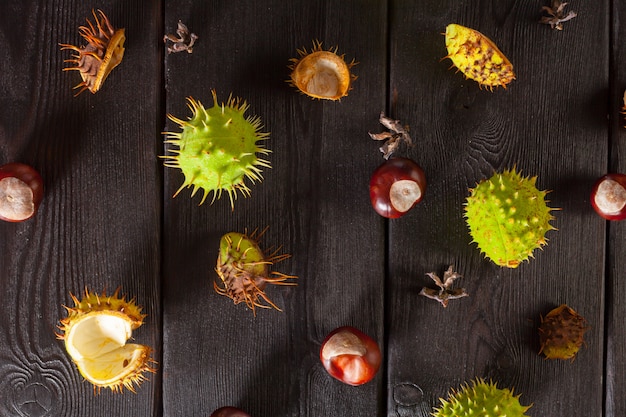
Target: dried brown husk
pixel 103 52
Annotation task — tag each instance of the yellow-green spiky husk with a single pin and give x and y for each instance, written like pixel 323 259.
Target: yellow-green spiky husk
pixel 508 217
pixel 562 333
pixel 93 302
pixel 481 399
pixel 217 149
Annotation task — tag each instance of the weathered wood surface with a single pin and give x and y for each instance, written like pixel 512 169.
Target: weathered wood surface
pixel 551 122
pixel 98 225
pixel 314 201
pixel 108 219
pixel 615 301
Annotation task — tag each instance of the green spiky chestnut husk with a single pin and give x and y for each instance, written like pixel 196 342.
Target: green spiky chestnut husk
pixel 481 399
pixel 508 217
pixel 217 149
pixel 562 333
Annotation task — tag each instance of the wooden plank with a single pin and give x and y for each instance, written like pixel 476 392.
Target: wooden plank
pixel 314 201
pixel 615 288
pixel 98 226
pixel 550 122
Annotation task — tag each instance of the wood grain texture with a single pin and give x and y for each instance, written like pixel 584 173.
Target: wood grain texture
pixel 108 218
pixel 314 200
pixel 615 289
pixel 550 122
pixel 98 225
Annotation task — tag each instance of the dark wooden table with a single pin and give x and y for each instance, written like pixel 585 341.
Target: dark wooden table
pixel 108 218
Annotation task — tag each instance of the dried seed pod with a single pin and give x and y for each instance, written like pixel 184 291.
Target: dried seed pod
pixel 183 40
pixel 103 52
pixel 561 333
pixel 477 57
pixel 244 272
pixel 556 15
pixel 399 134
pixel 445 292
pixel 321 74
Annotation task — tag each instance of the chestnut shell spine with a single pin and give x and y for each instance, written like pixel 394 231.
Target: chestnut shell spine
pixel 103 52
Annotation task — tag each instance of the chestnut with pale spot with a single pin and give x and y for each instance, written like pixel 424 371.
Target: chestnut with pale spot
pixel 608 196
pixel 350 356
pixel 396 186
pixel 21 192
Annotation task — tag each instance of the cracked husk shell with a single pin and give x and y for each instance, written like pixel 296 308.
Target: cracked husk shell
pixel 95 332
pixel 561 333
pixel 321 74
pixel 103 52
pixel 508 217
pixel 477 57
pixel 244 270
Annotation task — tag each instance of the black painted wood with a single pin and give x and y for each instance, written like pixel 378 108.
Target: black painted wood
pixel 98 226
pixel 314 201
pixel 551 123
pixel 108 218
pixel 615 290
